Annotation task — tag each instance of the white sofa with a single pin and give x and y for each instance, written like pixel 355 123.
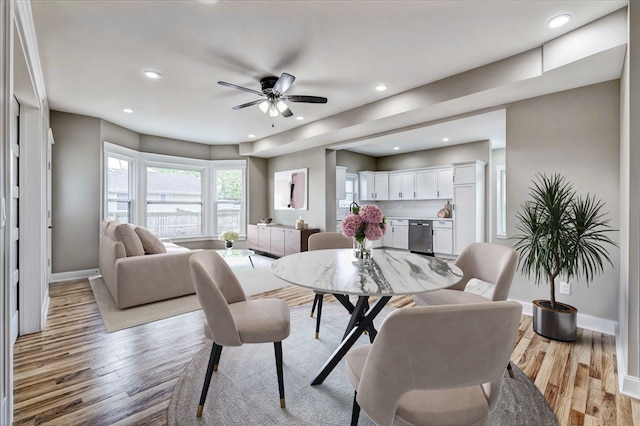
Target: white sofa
pixel 139 268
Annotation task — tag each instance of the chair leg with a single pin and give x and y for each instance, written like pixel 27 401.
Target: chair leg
pixel 510 370
pixel 278 350
pixel 213 365
pixel 320 300
pixel 355 411
pixel 315 302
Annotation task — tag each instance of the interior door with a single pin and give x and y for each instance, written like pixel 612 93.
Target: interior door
pixel 13 228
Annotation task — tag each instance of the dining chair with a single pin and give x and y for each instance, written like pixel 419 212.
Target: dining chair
pixel 434 365
pixel 324 241
pixel 231 319
pixel 488 271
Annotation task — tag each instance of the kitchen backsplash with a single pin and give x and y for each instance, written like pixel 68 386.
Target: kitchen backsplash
pixel 404 209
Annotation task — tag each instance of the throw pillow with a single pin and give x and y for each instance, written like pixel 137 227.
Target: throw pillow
pixel 151 243
pixel 127 236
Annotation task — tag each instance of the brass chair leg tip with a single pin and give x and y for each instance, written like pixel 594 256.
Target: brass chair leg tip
pixel 511 374
pixel 215 367
pixel 282 404
pixel 317 334
pixel 200 408
pixel 311 314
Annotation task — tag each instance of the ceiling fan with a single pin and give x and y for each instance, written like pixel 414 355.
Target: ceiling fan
pixel 273 89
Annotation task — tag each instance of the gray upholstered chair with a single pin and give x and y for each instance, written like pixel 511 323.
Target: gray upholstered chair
pixel 435 365
pixel 231 319
pixel 324 241
pixel 488 270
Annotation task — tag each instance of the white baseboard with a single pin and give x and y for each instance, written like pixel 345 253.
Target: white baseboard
pixel 73 275
pixel 600 325
pixel 628 385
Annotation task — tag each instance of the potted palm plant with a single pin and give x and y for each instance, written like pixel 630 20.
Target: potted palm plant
pixel 562 234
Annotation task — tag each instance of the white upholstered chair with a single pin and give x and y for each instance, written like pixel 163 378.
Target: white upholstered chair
pixel 488 271
pixel 231 319
pixel 324 241
pixel 435 365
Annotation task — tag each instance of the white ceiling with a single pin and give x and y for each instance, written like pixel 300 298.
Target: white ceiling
pixel 93 54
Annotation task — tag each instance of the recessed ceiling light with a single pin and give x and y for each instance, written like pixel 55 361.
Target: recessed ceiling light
pixel 251 135
pixel 396 148
pixel 152 74
pixel 558 21
pixel 127 110
pixel 299 118
pixel 381 87
pixel 445 139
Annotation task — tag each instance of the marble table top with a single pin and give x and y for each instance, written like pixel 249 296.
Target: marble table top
pixel 392 272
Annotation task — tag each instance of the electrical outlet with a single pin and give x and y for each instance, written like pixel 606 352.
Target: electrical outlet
pixel 565 288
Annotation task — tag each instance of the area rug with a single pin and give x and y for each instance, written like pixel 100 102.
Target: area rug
pixel 244 390
pixel 254 280
pixel 116 319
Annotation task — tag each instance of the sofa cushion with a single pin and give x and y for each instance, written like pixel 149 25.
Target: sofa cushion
pixel 150 243
pixel 127 236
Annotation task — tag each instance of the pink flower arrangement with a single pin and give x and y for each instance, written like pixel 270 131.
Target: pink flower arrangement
pixel 364 222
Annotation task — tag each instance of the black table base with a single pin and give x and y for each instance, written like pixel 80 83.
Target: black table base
pixel 362 317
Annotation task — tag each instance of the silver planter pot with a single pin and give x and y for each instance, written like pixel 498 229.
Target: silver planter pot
pixel 557 324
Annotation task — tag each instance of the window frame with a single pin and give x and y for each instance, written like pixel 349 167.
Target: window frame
pixel 140 161
pixel 501 201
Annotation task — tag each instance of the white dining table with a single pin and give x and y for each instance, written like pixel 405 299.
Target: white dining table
pixel 390 273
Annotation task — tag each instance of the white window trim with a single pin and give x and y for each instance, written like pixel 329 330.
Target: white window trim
pixel 501 198
pixel 142 160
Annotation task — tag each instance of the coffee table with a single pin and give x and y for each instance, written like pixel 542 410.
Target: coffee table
pixel 233 253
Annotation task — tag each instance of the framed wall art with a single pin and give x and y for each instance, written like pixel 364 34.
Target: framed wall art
pixel 291 189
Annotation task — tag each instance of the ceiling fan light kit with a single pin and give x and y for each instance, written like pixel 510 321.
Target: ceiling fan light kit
pixel 273 88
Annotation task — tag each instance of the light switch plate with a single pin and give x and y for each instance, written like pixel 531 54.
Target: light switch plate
pixel 565 288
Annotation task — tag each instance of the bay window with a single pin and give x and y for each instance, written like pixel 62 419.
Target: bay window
pixel 174 197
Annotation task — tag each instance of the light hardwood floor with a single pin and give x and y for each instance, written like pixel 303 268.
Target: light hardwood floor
pixel 75 373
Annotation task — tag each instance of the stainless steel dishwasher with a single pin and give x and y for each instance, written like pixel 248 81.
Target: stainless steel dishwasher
pixel 421 236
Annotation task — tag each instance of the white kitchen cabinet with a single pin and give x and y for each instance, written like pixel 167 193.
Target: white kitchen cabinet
pixel 402 185
pixel 434 184
pixel 341 183
pixel 445 183
pixel 397 235
pixel 374 186
pixel 468 204
pixel 442 237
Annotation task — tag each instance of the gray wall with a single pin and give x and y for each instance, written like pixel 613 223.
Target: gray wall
pixel 76 192
pixel 575 133
pixel 437 157
pixel 319 207
pixel 355 162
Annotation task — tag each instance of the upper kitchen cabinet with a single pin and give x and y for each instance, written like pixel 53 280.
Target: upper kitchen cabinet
pixel 402 185
pixel 433 184
pixel 468 204
pixel 374 186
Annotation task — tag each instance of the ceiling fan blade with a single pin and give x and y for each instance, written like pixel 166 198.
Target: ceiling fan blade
pixel 307 99
pixel 284 82
pixel 248 104
pixel 286 113
pixel 244 89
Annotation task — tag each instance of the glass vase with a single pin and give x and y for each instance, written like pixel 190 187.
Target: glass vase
pixel 228 244
pixel 363 251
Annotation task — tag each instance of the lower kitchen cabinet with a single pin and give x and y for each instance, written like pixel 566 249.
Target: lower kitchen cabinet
pixel 442 237
pixel 397 235
pixel 278 240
